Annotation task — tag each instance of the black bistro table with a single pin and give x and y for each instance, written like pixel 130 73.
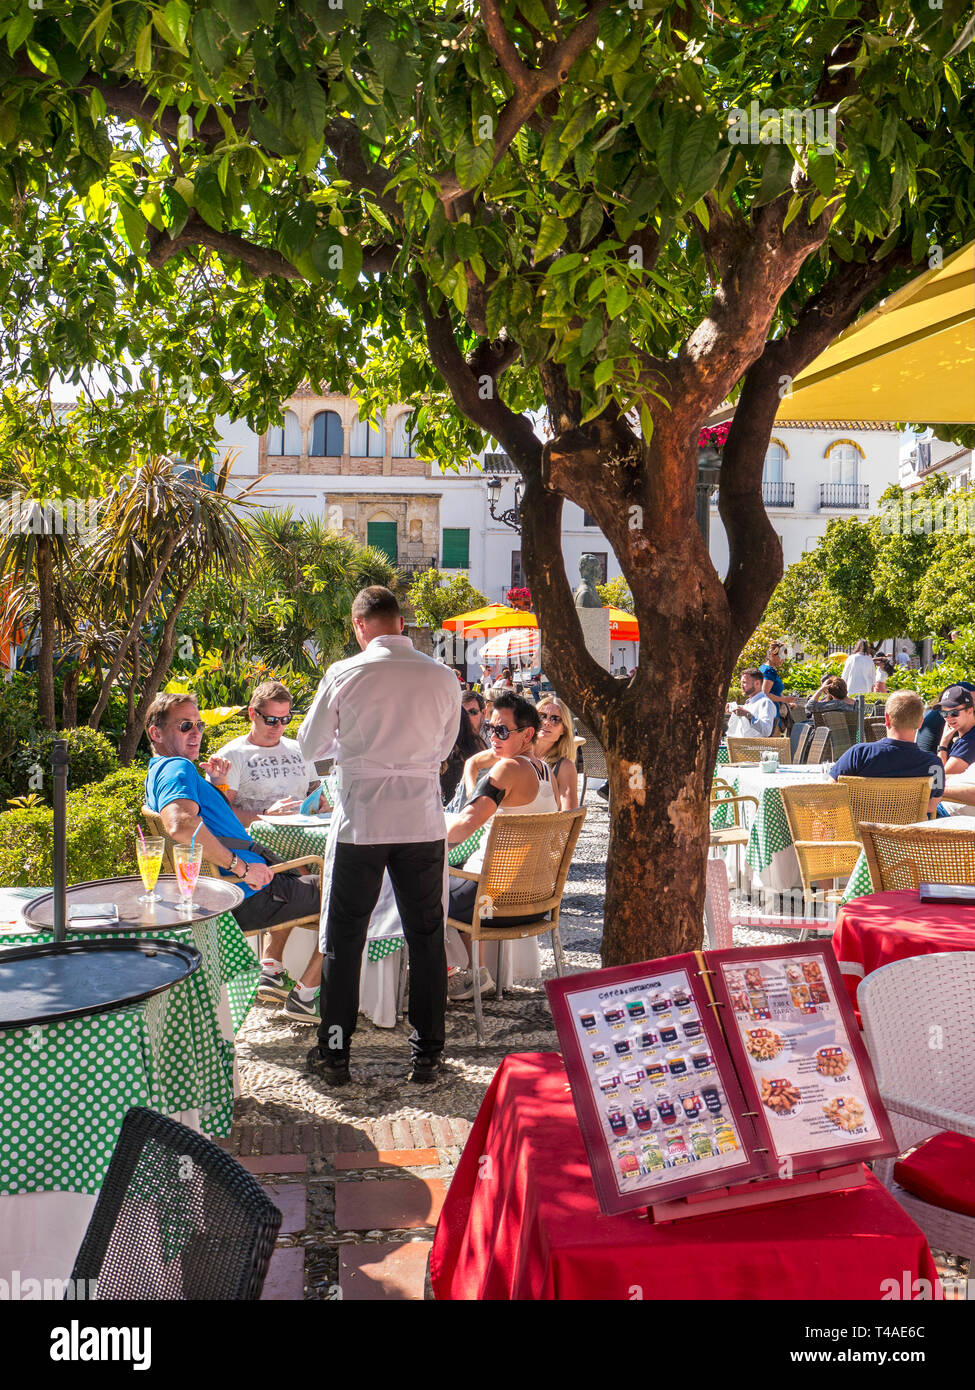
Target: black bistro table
pixel 141 1011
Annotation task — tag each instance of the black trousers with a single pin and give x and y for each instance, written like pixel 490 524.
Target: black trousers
pixel 416 873
pixel 288 896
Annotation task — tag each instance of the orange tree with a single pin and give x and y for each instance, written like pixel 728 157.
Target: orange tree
pixel 608 217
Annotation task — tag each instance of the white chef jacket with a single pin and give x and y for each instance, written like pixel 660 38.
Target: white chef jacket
pixel 764 714
pixel 389 717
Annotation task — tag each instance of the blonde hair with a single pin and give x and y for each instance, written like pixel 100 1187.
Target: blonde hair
pixel 564 746
pixel 905 709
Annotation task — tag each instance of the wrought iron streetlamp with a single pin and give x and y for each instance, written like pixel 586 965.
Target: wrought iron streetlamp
pixel 512 516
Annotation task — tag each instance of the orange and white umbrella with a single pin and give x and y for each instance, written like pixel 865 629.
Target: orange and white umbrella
pixel 522 645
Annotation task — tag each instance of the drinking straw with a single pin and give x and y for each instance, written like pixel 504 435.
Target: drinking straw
pixel 195 833
pixel 142 837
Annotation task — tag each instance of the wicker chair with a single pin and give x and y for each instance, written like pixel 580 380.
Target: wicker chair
pixel 750 750
pixel 154 826
pixel 874 729
pixel 723 795
pixel 720 921
pixel 824 836
pixel 590 759
pixel 801 738
pixel 905 856
pixel 888 800
pixel 820 747
pixel 928 1089
pixel 842 725
pixel 526 864
pixel 176 1219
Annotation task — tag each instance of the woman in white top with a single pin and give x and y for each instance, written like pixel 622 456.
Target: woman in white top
pixel 859 671
pixel 517 782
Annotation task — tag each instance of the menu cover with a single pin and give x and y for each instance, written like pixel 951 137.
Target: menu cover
pixel 671 1101
pixel 658 1102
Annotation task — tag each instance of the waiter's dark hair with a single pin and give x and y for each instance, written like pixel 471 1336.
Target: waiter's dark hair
pixel 525 713
pixel 375 602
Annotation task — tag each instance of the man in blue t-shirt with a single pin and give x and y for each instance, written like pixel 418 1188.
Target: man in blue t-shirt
pixel 956 748
pixel 897 755
pixel 185 801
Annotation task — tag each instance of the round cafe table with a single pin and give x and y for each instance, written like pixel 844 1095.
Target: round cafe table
pixel 884 927
pixel 67 1084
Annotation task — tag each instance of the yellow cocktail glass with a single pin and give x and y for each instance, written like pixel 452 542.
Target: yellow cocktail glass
pixel 149 857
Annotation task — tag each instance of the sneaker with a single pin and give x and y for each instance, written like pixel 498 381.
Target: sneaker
pixel 274 989
pixel 334 1072
pixel 425 1070
pixel 461 985
pixel 303 1013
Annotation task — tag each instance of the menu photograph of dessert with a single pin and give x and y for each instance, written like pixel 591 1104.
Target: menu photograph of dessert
pixel 797 1047
pixel 651 1093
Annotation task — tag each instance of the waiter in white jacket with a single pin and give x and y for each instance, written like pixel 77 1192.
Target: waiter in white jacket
pixel 389 718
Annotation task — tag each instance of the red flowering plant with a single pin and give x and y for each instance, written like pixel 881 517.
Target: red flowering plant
pixel 713 436
pixel 520 599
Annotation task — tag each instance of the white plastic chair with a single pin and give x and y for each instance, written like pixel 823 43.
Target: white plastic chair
pixel 720 922
pixel 919 1022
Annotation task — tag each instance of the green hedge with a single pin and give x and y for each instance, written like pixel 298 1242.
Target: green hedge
pixel 91 758
pixel 101 834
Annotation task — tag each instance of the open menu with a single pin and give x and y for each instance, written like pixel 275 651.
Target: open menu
pixel 707 1070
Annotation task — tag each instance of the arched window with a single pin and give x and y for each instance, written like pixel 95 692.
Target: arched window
pixel 326 435
pixel 774 462
pixel 844 462
pixel 403 436
pixel 368 439
pixel 286 438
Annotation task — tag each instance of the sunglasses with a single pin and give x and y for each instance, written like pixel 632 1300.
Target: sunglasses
pixel 958 709
pixel 501 731
pixel 471 709
pixel 185 725
pixel 273 720
pixel 550 718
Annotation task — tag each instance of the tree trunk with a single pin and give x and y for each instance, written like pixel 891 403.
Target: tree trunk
pixel 69 697
pixel 45 657
pixel 164 659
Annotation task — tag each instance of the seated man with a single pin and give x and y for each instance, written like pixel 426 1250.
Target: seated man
pixel 183 799
pixel 755 718
pixel 831 695
pixel 932 731
pixel 267 774
pixel 897 755
pixel 957 749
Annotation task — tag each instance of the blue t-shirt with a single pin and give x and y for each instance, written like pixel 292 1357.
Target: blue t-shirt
pixel 890 757
pixel 932 729
pixel 963 747
pixel 769 673
pixel 176 779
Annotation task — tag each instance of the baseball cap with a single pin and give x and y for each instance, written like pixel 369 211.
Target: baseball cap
pixel 956 697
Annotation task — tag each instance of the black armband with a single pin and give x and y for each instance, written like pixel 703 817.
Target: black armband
pixel 485 787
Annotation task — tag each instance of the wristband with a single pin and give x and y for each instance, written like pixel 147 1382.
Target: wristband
pixel 233 860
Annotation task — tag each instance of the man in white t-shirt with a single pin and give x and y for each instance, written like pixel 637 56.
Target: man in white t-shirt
pixel 756 717
pixel 266 775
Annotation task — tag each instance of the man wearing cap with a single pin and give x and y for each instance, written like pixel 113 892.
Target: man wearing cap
pixel 957 746
pixel 897 755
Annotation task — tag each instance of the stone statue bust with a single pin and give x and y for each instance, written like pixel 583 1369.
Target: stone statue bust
pixel 585 595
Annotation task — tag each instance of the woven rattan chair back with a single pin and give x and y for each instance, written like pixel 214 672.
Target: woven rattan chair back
pixel 176 1219
pixel 154 826
pixel 804 733
pixel 888 800
pixel 823 833
pixel 750 750
pixel 842 725
pixel 820 746
pixel 526 857
pixel 904 856
pixel 874 729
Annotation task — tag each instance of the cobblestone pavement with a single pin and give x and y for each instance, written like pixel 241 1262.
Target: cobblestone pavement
pixel 361 1172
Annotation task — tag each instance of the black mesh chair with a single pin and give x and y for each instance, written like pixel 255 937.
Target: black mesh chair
pixel 176 1219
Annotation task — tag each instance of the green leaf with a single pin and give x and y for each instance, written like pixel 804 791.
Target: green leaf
pixel 8 124
pixel 207 35
pixel 795 203
pixel 351 262
pixel 551 234
pixel 134 224
pixel 242 16
pixel 696 147
pixel 268 134
pixel 178 21
pixel 312 107
pixel 617 300
pixel 822 171
pixel 592 332
pixel 604 370
pixel 143 49
pixel 472 163
pixel 18 29
pixel 590 220
pixel 520 301
pixel 646 423
pixel 497 307
pixel 776 174
pixel 666 151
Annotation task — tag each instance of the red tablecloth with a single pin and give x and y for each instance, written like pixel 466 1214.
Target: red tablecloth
pixel 884 927
pixel 521 1222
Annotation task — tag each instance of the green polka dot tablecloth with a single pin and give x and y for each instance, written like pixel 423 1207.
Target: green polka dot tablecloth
pixel 768 827
pixel 65 1087
pixel 860 883
pixel 723 755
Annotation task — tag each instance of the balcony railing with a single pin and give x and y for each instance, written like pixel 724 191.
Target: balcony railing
pixel 495 464
pixel 414 558
pixel 779 494
pixel 856 496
